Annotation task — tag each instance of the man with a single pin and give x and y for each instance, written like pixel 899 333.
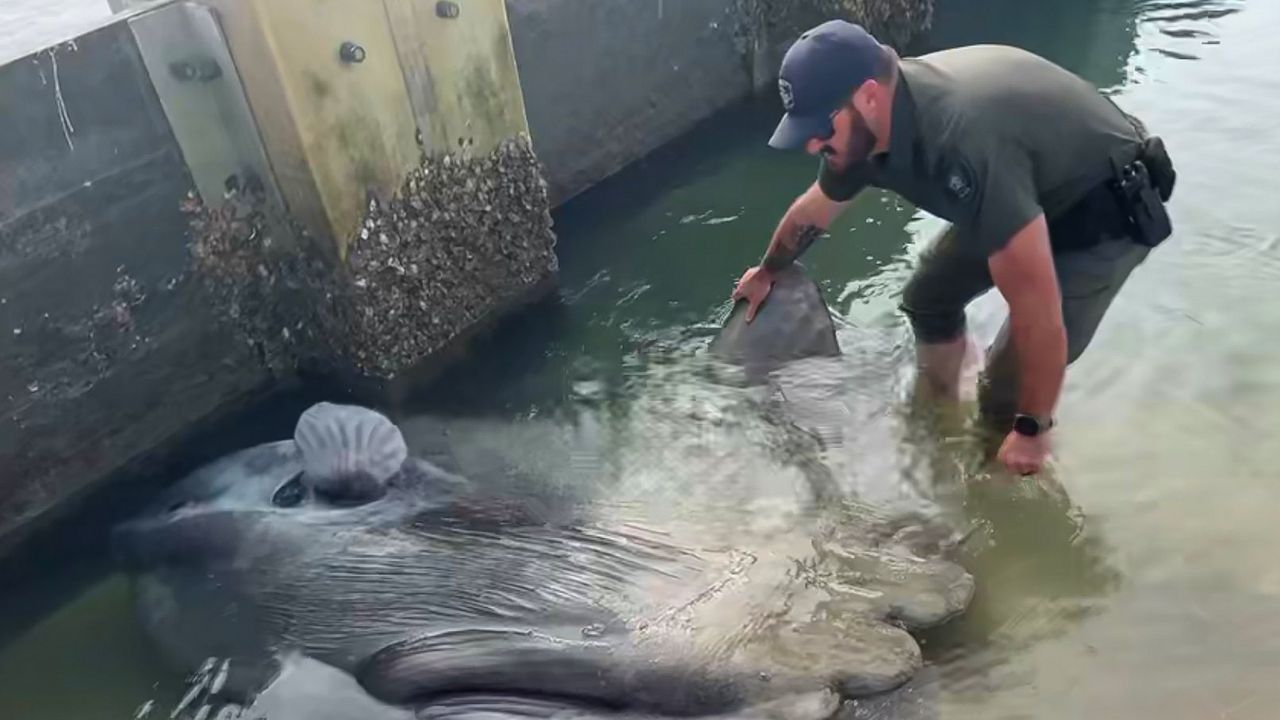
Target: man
pixel 1034 169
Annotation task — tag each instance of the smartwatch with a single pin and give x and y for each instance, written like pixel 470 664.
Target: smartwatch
pixel 1030 425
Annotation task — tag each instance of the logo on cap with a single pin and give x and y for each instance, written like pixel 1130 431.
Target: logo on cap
pixel 788 99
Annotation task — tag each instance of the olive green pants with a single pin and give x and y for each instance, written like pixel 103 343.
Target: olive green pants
pixel 949 277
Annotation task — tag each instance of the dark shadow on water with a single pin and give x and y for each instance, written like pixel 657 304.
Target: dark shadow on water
pixel 504 372
pixel 702 152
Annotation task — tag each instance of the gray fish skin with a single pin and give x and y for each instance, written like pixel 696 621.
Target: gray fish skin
pixel 307 689
pixel 792 323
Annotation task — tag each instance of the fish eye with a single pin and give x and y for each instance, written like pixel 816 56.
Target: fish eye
pixel 291 494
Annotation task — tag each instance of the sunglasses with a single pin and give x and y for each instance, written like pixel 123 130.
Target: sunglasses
pixel 848 104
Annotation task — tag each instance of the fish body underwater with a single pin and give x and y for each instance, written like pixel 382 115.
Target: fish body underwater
pixel 442 588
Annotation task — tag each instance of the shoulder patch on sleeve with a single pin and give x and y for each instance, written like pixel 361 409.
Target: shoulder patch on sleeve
pixel 959 181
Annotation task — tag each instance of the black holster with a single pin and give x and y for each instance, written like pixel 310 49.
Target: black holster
pixel 1129 203
pixel 1141 188
pixel 1156 159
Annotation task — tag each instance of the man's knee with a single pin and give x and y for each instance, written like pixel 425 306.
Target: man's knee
pixel 946 279
pixel 931 321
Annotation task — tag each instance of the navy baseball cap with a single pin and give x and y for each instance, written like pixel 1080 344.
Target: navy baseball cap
pixel 819 72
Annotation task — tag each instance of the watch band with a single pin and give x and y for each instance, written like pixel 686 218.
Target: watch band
pixel 1030 425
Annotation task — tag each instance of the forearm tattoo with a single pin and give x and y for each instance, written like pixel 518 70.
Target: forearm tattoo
pixel 802 239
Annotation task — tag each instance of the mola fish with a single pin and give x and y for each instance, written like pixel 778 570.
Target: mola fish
pixel 441 590
pixel 793 323
pixel 421 591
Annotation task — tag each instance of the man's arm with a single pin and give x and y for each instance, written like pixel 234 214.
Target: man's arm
pixel 810 215
pixel 1023 271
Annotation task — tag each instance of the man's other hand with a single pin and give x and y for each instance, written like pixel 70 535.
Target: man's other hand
pixel 754 285
pixel 1023 454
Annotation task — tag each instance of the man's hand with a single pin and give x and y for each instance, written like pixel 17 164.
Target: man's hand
pixel 1023 454
pixel 754 285
pixel 1023 271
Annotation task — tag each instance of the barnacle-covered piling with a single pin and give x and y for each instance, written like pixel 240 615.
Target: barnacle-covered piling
pixel 466 238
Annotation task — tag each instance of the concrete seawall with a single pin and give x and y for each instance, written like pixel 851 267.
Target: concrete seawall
pixel 608 81
pixel 199 200
pixel 108 348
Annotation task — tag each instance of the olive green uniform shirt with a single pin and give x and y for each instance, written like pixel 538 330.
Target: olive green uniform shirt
pixel 988 137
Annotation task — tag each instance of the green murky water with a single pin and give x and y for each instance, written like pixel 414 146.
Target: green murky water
pixel 1137 579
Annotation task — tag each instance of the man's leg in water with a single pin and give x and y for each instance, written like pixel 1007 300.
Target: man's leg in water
pixel 1089 280
pixel 946 279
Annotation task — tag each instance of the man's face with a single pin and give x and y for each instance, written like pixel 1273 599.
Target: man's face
pixel 851 142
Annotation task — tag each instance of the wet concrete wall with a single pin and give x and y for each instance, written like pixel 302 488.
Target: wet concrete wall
pixel 607 81
pixel 108 349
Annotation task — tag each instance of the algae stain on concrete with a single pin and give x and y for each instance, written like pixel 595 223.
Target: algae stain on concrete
pixel 363 146
pixel 506 84
pixel 483 102
pixel 461 75
pixel 352 120
pixel 321 89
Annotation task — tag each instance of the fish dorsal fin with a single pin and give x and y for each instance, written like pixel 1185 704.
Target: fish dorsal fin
pixel 342 442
